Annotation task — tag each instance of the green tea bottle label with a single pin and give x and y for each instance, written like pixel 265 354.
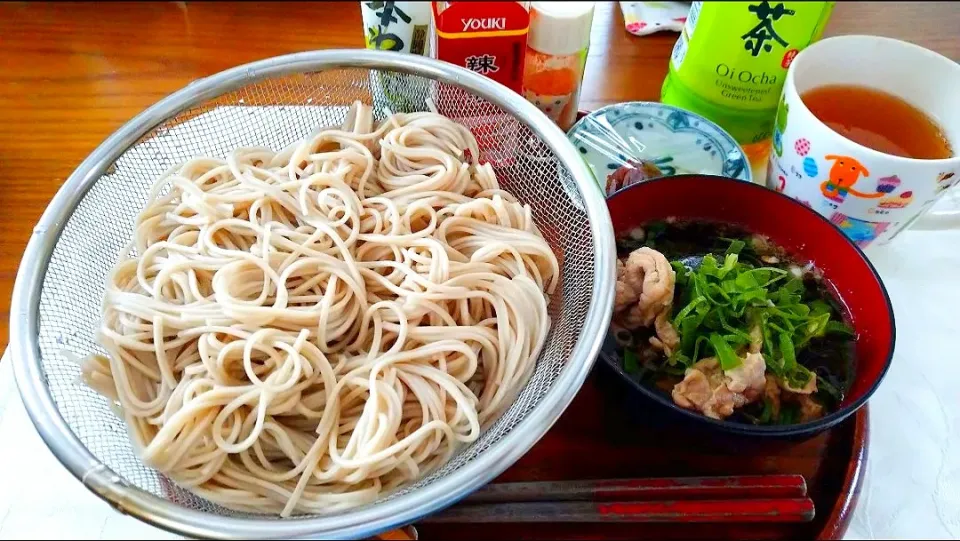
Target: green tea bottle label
pixel 736 54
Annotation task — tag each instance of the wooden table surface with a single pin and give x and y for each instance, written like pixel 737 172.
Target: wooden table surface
pixel 75 72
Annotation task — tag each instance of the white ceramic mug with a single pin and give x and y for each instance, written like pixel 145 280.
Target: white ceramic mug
pixel 870 195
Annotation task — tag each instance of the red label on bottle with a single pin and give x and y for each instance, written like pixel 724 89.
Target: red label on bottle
pixel 489 38
pixel 788 58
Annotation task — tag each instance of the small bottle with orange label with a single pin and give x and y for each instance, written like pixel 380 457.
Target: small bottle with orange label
pixel 556 56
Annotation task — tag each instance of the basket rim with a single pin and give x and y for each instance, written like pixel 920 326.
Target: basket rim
pixel 359 522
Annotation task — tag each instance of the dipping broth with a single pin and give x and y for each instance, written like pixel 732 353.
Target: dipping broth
pixel 745 333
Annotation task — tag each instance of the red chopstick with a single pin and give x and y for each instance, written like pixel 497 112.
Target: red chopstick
pixel 770 510
pixel 765 498
pixel 745 486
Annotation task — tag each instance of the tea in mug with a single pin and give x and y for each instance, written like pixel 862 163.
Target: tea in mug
pixel 878 120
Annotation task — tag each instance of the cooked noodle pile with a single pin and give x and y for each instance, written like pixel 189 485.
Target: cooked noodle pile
pixel 302 331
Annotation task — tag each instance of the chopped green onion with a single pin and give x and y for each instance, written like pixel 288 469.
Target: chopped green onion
pixel 767 414
pixel 735 247
pixel 721 301
pixel 746 280
pixel 728 359
pixel 685 311
pixel 839 327
pixel 631 364
pixel 799 377
pixel 729 263
pixel 789 414
pixel 696 346
pixel 788 353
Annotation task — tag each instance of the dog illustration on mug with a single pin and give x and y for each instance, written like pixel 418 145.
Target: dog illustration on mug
pixel 844 173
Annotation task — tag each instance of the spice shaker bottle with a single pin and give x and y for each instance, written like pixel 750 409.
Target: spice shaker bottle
pixel 556 55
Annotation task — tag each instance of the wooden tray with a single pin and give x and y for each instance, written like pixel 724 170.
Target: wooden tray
pixel 597 438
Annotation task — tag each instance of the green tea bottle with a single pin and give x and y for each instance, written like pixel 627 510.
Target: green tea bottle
pixel 730 63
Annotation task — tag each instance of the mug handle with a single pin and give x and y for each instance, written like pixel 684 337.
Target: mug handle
pixel 945 214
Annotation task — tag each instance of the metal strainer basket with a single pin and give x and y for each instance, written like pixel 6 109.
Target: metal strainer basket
pixel 271 103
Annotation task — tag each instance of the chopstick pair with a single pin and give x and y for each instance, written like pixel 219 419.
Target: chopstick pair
pixel 765 498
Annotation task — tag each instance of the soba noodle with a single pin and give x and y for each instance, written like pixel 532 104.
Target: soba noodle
pixel 301 331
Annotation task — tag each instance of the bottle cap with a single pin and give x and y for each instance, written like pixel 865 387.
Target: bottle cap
pixel 560 28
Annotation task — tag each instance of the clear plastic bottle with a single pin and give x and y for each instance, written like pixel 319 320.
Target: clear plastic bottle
pixel 396 26
pixel 730 62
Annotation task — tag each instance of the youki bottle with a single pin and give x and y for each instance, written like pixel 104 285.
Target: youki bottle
pixel 486 37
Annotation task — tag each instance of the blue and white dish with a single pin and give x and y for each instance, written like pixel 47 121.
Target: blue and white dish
pixel 676 141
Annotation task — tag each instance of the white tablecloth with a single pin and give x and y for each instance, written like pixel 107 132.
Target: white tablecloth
pixel 911 489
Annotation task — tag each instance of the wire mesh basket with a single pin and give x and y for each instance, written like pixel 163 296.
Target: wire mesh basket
pixel 272 103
